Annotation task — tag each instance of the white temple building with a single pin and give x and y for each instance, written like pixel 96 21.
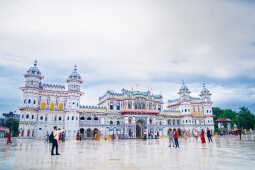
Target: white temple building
pixel 127 114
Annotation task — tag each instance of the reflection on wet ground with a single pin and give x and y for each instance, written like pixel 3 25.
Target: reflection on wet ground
pixel 225 152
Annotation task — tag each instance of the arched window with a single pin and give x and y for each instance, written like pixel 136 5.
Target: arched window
pixel 178 122
pixel 22 116
pixel 95 118
pixel 111 106
pixel 46 118
pixel 186 121
pixel 169 122
pixel 111 122
pixel 41 118
pixel 76 117
pixel 89 118
pixel 67 117
pixel 32 116
pixel 150 121
pixel 185 110
pixel 129 105
pixel 118 106
pixel 29 101
pixel 82 118
pixel 72 117
pixel 34 102
pixel 25 101
pixel 27 116
pixel 118 122
pixel 59 118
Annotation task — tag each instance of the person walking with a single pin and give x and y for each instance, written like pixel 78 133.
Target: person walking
pixel 171 138
pixel 176 138
pixel 63 137
pixel 54 138
pixel 203 136
pixel 209 135
pixel 9 139
pixel 240 133
pixel 196 135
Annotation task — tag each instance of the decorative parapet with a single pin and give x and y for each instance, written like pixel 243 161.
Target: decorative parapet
pixel 129 93
pixel 53 87
pixel 92 109
pixel 139 112
pixel 29 108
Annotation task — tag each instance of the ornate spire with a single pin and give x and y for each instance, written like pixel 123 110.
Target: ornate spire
pixel 35 63
pixel 74 76
pixel 204 91
pixel 184 90
pixel 75 68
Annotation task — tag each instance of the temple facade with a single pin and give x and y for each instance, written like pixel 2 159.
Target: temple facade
pixel 126 114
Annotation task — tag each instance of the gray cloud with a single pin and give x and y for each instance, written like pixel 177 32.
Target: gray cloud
pixel 153 43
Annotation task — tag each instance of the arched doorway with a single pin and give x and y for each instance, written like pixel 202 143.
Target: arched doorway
pixel 28 133
pixel 82 131
pixel 95 133
pixel 140 127
pixel 89 133
pixel 130 133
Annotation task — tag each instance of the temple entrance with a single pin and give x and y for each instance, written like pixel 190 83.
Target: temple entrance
pixel 140 127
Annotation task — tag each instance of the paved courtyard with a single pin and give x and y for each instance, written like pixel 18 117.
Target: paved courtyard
pixel 225 153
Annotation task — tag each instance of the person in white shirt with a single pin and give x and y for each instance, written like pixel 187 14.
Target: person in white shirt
pixel 55 140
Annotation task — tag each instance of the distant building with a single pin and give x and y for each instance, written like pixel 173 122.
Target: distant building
pixel 128 113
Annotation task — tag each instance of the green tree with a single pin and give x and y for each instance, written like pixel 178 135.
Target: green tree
pixel 13 125
pixel 245 118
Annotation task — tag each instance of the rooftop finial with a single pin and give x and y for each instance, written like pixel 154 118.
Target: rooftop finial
pixel 183 82
pixel 203 84
pixel 75 67
pixel 35 63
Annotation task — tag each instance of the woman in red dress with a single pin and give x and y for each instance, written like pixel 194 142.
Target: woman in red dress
pixel 202 136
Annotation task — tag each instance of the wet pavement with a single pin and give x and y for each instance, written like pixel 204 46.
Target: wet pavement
pixel 225 153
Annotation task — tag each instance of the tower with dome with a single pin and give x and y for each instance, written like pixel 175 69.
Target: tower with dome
pixel 47 105
pixel 126 114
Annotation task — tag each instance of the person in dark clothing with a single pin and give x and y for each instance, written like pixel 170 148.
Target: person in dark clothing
pixel 176 138
pixel 209 135
pixel 56 134
pixel 240 133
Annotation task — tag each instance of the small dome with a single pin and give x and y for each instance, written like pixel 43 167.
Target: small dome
pixel 74 76
pixel 204 90
pixel 34 69
pixel 184 88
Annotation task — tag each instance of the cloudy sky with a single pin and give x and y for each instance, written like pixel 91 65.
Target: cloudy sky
pixel 116 43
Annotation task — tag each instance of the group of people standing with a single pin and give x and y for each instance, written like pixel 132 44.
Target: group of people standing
pixel 173 137
pixel 209 136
